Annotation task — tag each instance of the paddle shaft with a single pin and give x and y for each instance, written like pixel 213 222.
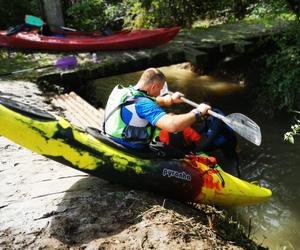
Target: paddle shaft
pixel 62 28
pixel 210 112
pixel 67 28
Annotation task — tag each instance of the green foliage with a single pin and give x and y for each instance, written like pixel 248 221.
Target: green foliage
pixel 269 11
pixel 93 14
pixel 88 15
pixel 12 12
pixel 280 84
pixel 157 13
pixel 295 130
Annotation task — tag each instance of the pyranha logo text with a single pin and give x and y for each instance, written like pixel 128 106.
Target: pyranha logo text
pixel 175 174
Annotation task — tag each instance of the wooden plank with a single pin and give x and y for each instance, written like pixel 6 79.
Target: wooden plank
pixel 70 114
pixel 78 111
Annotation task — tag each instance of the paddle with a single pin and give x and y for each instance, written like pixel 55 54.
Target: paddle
pixel 63 63
pixel 239 123
pixel 38 22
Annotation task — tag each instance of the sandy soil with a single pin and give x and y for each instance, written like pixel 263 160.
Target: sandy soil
pixel 45 205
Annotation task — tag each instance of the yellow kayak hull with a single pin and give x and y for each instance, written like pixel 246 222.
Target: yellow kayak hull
pixel 188 179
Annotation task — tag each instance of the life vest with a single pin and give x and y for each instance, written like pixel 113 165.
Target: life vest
pixel 137 130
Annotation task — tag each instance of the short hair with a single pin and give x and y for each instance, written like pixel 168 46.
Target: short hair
pixel 150 75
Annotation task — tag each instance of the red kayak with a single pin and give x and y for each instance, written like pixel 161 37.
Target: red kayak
pixel 80 41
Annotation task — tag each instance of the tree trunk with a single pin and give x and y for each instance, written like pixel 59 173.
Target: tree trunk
pixel 52 12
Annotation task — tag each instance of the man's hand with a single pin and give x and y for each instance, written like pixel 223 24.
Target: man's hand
pixel 176 97
pixel 169 99
pixel 203 109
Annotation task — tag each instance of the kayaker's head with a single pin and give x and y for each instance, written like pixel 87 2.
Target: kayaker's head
pixel 152 81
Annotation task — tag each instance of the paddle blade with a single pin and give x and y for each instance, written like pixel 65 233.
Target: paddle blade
pixel 245 127
pixel 66 63
pixel 34 21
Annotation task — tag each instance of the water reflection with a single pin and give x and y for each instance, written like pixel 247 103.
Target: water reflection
pixel 275 164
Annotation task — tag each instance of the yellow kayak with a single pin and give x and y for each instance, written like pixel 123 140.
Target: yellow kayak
pixel 194 178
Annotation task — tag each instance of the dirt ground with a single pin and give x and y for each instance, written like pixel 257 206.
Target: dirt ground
pixel 46 205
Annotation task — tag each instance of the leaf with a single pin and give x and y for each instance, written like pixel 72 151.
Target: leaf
pixel 291 140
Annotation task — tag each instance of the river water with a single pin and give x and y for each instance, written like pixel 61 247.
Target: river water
pixel 275 164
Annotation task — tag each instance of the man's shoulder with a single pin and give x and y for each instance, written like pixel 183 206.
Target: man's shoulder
pixel 145 102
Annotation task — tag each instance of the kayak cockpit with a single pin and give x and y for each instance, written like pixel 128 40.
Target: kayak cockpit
pixel 155 149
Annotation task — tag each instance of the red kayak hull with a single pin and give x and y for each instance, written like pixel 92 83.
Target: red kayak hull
pixel 136 39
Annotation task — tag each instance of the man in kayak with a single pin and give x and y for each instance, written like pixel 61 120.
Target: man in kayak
pixel 133 113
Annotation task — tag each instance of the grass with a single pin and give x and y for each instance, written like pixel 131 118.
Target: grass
pixel 12 60
pixel 19 60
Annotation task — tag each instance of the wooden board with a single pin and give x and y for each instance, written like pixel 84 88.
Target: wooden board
pixel 78 111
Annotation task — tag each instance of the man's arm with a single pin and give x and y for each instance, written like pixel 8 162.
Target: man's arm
pixel 175 123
